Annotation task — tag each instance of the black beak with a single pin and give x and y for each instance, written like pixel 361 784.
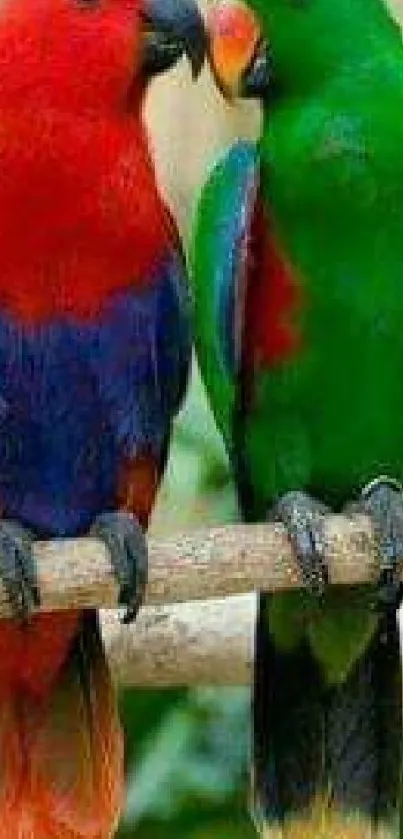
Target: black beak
pixel 173 28
pixel 258 78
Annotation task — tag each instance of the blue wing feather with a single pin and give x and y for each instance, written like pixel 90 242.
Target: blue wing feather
pixel 77 398
pixel 239 175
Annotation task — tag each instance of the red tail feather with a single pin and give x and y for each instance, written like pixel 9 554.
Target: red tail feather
pixel 61 755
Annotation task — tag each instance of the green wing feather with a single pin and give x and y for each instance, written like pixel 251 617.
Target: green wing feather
pixel 219 248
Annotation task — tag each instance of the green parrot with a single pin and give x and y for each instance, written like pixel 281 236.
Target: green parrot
pixel 298 287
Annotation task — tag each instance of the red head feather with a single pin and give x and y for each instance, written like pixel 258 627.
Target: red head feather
pixel 80 213
pixel 71 54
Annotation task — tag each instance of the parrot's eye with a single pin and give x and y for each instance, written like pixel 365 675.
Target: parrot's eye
pixel 258 78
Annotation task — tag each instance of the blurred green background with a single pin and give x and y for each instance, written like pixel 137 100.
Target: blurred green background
pixel 187 750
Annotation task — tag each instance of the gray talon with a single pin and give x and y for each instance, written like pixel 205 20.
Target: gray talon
pixel 126 542
pixel 17 568
pixel 382 501
pixel 302 516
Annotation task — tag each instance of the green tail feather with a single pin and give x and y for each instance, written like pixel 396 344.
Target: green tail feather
pixel 328 756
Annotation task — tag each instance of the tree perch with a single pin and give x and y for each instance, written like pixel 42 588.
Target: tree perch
pixel 204 642
pixel 199 643
pixel 201 564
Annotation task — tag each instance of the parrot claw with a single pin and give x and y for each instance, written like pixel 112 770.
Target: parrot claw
pixel 17 569
pixel 382 501
pixel 126 542
pixel 302 517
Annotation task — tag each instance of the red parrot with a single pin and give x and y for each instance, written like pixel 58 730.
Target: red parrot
pixel 94 355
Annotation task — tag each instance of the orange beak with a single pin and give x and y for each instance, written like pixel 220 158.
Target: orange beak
pixel 239 56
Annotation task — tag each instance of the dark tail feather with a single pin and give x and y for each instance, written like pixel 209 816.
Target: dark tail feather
pixel 61 758
pixel 327 761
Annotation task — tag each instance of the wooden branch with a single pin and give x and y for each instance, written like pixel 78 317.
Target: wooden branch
pixel 200 643
pixel 200 564
pixel 209 640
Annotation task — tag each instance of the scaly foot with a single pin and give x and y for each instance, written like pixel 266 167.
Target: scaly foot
pixel 17 568
pixel 127 545
pixel 302 516
pixel 382 501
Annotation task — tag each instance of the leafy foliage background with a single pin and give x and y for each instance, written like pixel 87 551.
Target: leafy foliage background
pixel 187 750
